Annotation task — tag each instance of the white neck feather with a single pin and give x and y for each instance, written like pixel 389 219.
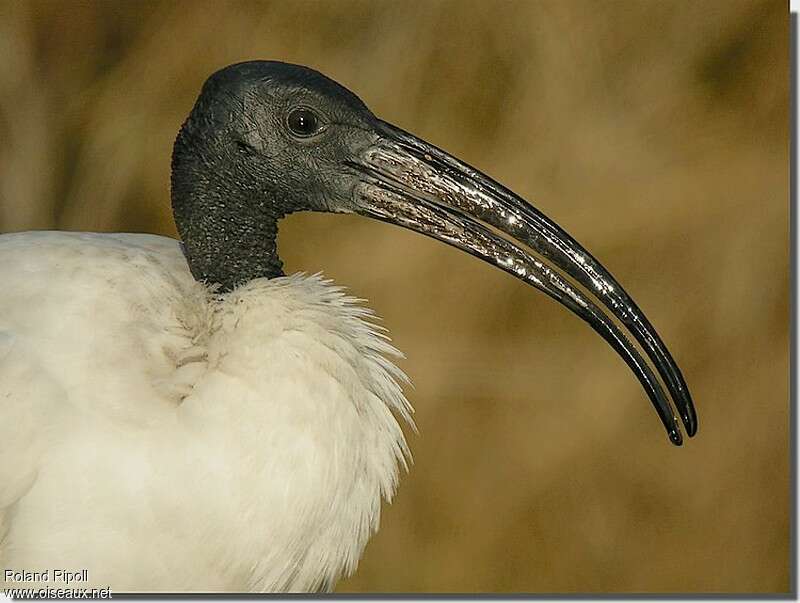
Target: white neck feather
pixel 190 442
pixel 295 409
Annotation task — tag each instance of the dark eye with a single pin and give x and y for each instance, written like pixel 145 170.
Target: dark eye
pixel 303 122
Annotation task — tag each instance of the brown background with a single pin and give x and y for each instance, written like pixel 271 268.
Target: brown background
pixel 655 132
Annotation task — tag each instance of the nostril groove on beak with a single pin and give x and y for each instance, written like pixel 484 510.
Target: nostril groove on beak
pixel 427 190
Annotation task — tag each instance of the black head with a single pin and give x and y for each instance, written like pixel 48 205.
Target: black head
pixel 266 138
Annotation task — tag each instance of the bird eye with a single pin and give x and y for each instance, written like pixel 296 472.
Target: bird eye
pixel 303 122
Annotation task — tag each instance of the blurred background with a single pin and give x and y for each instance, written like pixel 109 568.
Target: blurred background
pixel 655 132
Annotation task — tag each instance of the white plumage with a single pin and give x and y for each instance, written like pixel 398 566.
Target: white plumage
pixel 166 438
pixel 183 417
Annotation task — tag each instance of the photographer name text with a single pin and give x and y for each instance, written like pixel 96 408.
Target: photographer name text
pixel 49 575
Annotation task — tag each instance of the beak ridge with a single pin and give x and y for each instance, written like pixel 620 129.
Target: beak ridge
pixel 408 182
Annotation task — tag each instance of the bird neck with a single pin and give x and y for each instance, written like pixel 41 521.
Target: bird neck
pixel 229 232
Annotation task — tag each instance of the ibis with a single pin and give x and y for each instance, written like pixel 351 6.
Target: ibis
pixel 183 416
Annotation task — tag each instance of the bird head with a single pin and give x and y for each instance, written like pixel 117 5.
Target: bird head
pixel 265 139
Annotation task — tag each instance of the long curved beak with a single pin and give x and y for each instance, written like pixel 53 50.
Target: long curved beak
pixel 408 182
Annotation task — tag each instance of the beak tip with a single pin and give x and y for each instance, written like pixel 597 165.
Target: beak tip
pixel 690 422
pixel 675 437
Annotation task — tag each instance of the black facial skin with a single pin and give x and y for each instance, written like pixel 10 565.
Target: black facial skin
pixel 238 166
pixel 265 139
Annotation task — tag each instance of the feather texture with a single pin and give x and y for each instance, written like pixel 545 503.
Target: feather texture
pixel 167 438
